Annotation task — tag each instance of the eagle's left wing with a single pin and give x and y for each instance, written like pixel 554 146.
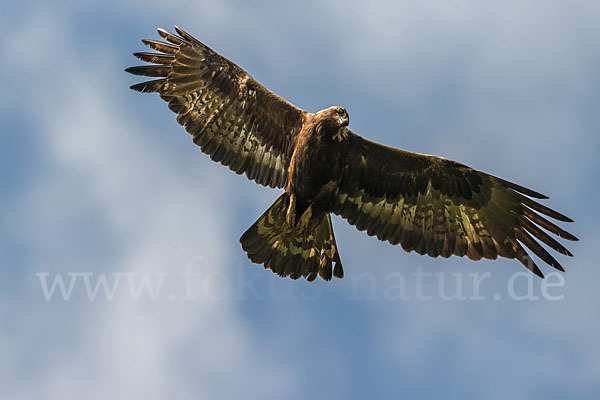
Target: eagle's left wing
pixel 233 118
pixel 439 207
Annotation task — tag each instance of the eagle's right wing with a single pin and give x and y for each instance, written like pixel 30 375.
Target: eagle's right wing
pixel 233 118
pixel 440 207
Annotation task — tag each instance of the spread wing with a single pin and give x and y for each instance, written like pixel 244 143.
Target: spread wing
pixel 439 207
pixel 233 118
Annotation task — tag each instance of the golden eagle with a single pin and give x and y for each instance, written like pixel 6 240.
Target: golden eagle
pixel 428 204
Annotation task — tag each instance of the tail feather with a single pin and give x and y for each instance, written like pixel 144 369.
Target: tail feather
pixel 292 250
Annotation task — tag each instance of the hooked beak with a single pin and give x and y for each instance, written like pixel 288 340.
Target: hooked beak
pixel 344 120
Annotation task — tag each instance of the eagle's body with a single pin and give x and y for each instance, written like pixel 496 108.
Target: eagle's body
pixel 314 164
pixel 426 204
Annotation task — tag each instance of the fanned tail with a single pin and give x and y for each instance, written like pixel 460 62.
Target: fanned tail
pixel 293 250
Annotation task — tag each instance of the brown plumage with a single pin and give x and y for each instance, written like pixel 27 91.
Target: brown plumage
pixel 426 204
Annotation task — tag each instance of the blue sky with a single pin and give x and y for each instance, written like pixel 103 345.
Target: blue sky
pixel 98 180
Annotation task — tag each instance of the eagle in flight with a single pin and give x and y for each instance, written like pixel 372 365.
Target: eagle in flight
pixel 427 204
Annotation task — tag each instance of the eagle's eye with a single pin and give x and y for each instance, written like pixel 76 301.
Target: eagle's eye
pixel 340 111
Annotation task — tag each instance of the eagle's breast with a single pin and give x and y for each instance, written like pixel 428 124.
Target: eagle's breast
pixel 314 162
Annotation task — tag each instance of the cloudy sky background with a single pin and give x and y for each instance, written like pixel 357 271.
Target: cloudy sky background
pixel 97 179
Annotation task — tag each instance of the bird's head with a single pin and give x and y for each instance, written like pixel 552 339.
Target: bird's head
pixel 336 115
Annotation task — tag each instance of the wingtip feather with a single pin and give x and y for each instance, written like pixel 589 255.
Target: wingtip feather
pixel 186 35
pixel 522 189
pixel 148 86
